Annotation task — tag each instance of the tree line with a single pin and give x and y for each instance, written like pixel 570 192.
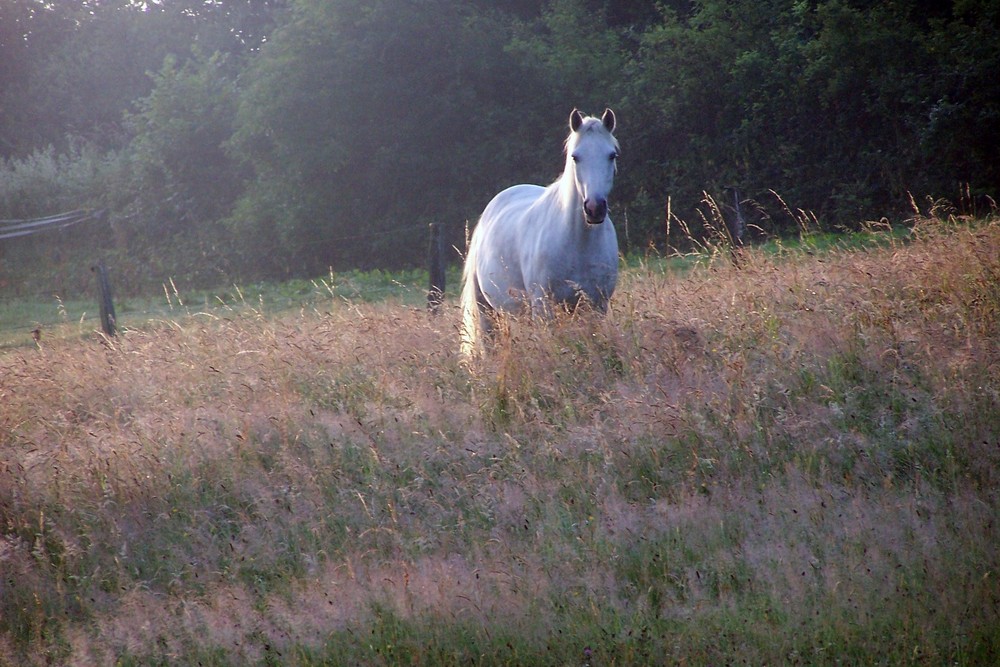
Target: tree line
pixel 259 139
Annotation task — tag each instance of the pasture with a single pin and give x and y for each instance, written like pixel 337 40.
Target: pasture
pixel 793 461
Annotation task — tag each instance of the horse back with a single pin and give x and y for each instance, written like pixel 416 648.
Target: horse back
pixel 510 204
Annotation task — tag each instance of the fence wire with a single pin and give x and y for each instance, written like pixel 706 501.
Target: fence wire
pixel 34 314
pixel 10 229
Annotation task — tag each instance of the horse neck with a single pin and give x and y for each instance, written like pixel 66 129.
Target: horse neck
pixel 568 199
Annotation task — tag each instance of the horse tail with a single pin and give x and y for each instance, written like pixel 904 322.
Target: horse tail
pixel 471 314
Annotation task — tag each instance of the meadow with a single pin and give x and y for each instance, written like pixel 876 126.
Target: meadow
pixel 789 459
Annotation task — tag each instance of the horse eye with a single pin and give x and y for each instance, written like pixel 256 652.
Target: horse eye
pixel 614 156
pixel 576 158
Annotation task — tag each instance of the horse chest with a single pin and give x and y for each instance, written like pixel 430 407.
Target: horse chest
pixel 572 276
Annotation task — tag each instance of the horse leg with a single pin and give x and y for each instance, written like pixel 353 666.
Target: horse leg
pixel 539 303
pixel 487 314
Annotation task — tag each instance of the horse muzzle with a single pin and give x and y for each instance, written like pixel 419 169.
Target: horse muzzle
pixel 595 212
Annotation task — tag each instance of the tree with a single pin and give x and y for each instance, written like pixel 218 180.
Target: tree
pixel 818 101
pixel 959 127
pixel 70 69
pixel 363 121
pixel 29 31
pixel 181 173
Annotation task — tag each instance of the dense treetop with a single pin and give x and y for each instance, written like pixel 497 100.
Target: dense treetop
pixel 245 139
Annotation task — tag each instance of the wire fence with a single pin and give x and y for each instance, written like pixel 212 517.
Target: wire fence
pixel 30 316
pixel 10 229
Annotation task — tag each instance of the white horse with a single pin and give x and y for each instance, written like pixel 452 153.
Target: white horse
pixel 536 247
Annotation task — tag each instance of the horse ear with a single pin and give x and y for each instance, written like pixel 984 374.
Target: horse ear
pixel 575 120
pixel 609 120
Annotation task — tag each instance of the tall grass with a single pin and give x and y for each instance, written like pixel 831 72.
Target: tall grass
pixel 789 460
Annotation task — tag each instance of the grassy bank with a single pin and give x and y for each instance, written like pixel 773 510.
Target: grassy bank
pixel 792 461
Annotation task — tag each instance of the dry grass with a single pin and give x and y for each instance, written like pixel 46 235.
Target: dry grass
pixel 795 460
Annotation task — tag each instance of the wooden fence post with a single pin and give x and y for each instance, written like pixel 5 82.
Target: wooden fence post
pixel 435 261
pixel 107 306
pixel 738 227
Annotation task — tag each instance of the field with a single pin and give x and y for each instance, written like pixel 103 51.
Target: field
pixel 792 459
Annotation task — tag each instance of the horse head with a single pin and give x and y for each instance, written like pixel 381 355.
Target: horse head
pixel 592 155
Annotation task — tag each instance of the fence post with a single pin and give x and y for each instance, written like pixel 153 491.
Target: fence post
pixel 435 260
pixel 107 306
pixel 738 226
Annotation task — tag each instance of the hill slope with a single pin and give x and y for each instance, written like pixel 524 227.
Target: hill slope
pixel 791 461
